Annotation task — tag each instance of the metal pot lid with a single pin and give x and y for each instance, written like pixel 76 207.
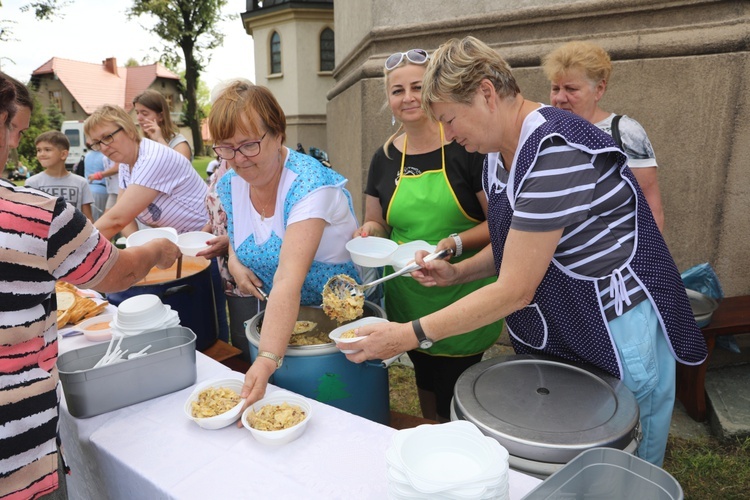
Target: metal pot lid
pixel 545 409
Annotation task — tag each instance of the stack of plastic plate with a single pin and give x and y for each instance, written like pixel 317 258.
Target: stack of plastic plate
pixel 143 313
pixel 452 460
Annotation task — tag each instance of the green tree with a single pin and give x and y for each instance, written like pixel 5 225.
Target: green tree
pixel 40 122
pixel 189 26
pixel 55 117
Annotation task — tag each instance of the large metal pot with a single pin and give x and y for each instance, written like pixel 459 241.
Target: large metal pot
pixel 323 373
pixel 546 411
pixel 191 296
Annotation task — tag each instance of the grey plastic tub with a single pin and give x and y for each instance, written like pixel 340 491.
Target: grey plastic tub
pixel 168 367
pixel 607 473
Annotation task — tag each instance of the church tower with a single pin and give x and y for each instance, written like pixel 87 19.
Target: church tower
pixel 294 58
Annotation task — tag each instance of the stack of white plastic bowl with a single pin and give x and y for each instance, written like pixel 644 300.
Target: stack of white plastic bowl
pixel 452 460
pixel 143 313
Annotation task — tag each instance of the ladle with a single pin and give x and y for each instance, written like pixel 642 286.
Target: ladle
pixel 343 286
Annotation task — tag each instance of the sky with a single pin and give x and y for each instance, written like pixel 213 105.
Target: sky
pixel 93 30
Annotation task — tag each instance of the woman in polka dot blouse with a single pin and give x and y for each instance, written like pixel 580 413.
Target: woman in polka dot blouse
pixel 583 272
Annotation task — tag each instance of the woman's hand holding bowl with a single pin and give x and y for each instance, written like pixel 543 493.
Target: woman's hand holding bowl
pixel 217 247
pixel 256 381
pixel 436 272
pixel 383 341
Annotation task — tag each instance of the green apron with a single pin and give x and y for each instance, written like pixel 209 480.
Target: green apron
pixel 424 207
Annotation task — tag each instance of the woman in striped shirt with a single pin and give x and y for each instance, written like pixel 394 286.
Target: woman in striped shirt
pixel 583 272
pixel 44 239
pixel 158 186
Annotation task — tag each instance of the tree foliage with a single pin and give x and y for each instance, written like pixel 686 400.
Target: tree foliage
pixel 41 121
pixel 46 9
pixel 189 31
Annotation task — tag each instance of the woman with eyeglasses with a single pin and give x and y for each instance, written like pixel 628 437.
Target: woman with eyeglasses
pixel 288 219
pixel 583 273
pixel 422 186
pixel 153 115
pixel 158 186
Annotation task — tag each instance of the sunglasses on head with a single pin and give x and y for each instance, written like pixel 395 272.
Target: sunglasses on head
pixel 414 56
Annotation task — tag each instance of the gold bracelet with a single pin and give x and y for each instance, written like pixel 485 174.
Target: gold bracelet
pixel 277 359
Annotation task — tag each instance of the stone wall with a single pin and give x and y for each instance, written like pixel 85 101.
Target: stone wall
pixel 681 68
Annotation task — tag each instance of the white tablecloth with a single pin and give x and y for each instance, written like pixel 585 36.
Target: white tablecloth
pixel 151 450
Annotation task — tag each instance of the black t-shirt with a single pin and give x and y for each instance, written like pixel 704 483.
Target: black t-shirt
pixel 464 172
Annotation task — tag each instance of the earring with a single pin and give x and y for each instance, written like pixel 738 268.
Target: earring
pixel 393 120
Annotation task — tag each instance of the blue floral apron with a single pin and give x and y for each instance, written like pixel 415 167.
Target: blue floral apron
pixel 263 259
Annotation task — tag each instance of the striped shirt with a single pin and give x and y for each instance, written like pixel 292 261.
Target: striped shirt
pixel 42 239
pixel 182 193
pixel 585 194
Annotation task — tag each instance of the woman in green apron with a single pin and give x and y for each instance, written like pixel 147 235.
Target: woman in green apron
pixel 420 188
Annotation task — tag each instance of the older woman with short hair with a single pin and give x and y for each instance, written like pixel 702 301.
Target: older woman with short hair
pixel 579 73
pixel 158 186
pixel 288 219
pixel 583 273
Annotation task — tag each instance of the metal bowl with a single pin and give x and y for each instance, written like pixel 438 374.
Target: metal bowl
pixel 703 307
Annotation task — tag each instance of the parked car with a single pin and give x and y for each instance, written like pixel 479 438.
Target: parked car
pixel 73 130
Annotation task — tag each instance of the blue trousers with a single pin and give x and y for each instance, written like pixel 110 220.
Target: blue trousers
pixel 649 372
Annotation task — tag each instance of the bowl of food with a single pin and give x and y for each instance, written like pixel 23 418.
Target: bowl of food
pixel 346 334
pixel 143 236
pixel 97 329
pixel 371 251
pixel 193 242
pixel 278 419
pixel 216 403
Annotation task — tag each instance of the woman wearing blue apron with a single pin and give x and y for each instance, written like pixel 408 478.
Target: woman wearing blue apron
pixel 288 219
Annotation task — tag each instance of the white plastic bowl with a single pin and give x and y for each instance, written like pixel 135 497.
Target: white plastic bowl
pixel 439 458
pixel 140 309
pixel 371 251
pixel 404 254
pixel 171 318
pixel 92 328
pixel 143 236
pixel 193 242
pixel 283 436
pixel 335 334
pixel 224 419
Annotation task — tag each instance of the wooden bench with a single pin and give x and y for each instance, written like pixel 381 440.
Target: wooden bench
pixel 731 318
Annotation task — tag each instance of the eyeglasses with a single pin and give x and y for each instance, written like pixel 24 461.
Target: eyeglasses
pixel 104 141
pixel 415 56
pixel 249 149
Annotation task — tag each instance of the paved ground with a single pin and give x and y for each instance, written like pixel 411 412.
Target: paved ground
pixel 728 389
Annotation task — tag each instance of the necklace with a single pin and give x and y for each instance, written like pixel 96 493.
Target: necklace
pixel 262 210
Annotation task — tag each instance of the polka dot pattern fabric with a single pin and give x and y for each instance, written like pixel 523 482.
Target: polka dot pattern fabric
pixel 263 259
pixel 565 318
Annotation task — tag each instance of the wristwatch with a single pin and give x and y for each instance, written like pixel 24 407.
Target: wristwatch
pixel 459 244
pixel 424 341
pixel 271 356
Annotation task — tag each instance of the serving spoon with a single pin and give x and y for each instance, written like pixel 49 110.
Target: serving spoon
pixel 344 286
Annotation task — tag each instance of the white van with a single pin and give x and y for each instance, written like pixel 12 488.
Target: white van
pixel 73 130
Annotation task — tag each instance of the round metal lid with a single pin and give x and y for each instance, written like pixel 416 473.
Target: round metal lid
pixel 545 409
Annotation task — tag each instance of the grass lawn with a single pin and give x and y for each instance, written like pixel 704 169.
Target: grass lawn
pixel 200 163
